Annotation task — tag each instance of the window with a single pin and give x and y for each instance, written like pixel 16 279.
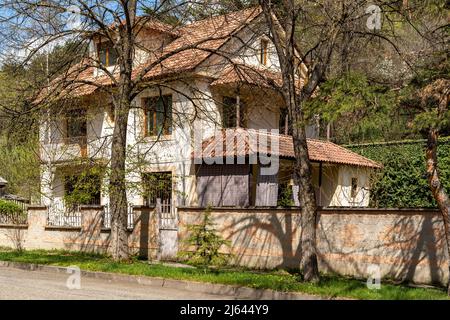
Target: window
pixel 354 191
pixel 157 185
pixel 230 113
pixel 76 124
pixel 263 52
pixel 107 54
pixel 158 115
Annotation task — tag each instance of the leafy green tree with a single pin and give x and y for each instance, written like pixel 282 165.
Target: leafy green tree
pixel 431 96
pixel 402 182
pixel 361 111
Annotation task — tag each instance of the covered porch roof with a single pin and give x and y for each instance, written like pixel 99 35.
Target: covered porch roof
pixel 240 142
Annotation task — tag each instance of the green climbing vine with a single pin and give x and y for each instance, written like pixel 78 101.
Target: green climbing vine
pixel 402 181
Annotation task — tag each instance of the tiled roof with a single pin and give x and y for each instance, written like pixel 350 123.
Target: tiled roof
pixel 203 36
pixel 153 24
pixel 241 142
pixel 251 75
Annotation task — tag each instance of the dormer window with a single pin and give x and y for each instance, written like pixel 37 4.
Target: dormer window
pixel 107 54
pixel 263 52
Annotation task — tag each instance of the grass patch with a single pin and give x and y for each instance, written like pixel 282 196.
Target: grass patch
pixel 329 286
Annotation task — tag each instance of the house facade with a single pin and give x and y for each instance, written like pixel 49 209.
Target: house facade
pixel 210 127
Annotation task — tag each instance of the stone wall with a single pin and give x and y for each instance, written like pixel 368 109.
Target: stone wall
pixel 90 237
pixel 405 244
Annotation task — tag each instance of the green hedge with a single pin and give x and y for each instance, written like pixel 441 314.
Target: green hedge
pixel 9 208
pixel 402 182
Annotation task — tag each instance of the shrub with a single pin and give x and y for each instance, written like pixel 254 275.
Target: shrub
pixel 10 208
pixel 206 243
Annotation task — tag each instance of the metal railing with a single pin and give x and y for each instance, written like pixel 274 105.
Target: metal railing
pixel 166 214
pixel 107 217
pixel 62 215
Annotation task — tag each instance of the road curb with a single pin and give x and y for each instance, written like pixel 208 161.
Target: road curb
pixel 193 286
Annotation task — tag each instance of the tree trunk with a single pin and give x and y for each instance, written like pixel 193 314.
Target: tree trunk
pixel 117 187
pixel 303 175
pixel 285 47
pixel 122 105
pixel 438 190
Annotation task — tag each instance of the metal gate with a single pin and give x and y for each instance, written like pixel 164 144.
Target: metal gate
pixel 166 214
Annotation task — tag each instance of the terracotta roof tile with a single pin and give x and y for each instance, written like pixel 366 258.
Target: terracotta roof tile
pixel 251 75
pixel 241 142
pixel 204 36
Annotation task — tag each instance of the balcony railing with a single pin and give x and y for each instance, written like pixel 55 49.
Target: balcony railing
pixel 81 140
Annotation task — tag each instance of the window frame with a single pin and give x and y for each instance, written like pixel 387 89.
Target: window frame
pixel 108 45
pixel 264 44
pixel 167 126
pixel 70 186
pixel 233 108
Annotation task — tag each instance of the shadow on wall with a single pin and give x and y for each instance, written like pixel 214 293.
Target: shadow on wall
pixel 257 240
pixel 94 238
pixel 90 238
pixel 407 245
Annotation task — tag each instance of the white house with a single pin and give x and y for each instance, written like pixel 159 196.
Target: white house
pixel 226 83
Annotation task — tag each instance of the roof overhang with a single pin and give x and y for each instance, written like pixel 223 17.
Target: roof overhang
pixel 240 142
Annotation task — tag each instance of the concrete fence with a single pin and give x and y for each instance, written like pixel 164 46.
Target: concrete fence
pixel 405 244
pixel 91 236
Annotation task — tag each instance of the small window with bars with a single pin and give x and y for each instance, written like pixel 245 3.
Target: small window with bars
pixel 229 115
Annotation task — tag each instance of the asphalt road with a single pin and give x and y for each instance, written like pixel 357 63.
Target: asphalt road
pixel 16 284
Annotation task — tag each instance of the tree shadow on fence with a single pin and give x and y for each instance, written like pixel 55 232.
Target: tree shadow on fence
pixel 407 250
pixel 406 246
pixel 283 230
